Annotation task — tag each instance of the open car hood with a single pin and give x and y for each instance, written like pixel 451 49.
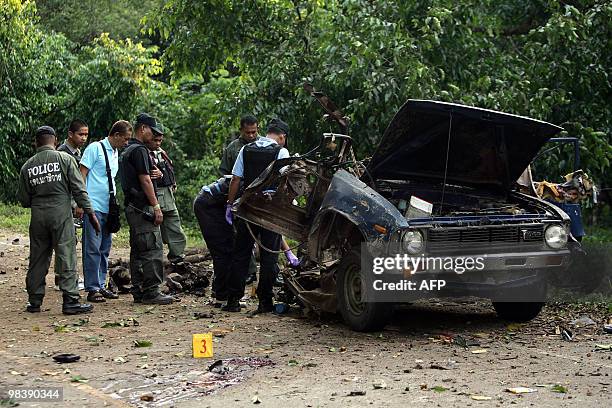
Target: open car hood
pixel 485 149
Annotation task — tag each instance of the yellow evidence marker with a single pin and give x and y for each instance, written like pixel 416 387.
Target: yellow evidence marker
pixel 202 345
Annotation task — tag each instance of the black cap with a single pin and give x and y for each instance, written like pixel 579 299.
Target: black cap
pixel 151 122
pixel 45 130
pixel 278 126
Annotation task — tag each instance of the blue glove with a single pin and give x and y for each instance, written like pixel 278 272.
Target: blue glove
pixel 292 259
pixel 229 217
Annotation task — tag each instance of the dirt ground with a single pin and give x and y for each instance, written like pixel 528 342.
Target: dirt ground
pixel 432 354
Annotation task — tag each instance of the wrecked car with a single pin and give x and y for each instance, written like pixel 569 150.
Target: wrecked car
pixel 440 183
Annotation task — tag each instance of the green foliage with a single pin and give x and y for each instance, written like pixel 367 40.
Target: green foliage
pixel 83 20
pixel 32 65
pixel 111 81
pixel 546 60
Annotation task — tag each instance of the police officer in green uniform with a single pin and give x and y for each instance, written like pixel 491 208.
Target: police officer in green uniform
pixel 78 132
pixel 249 129
pixel 47 182
pixel 143 213
pixel 165 185
pixel 248 134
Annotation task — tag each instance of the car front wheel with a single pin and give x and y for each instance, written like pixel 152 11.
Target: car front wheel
pixel 358 314
pixel 518 311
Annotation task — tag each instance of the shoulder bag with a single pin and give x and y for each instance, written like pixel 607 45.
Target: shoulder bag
pixel 113 222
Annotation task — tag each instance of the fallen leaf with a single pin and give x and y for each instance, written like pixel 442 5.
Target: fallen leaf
pixel 480 397
pixel 78 378
pixel 559 388
pixel 480 351
pixel 292 363
pixel 520 390
pixel 119 359
pixel 603 347
pixel 356 393
pixel 380 385
pixel 142 343
pixel 439 388
pixel 147 397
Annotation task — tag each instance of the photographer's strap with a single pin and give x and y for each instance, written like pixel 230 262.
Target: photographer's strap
pixel 108 173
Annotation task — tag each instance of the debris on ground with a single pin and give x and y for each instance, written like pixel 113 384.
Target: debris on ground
pixel 566 334
pixel 520 390
pixel 583 321
pixel 379 385
pixel 192 275
pixel 480 398
pixel 66 358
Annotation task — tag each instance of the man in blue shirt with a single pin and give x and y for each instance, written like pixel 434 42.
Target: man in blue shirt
pixel 96 247
pixel 252 160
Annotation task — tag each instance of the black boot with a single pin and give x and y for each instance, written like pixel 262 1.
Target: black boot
pixel 33 308
pixel 160 299
pixel 73 308
pixel 233 305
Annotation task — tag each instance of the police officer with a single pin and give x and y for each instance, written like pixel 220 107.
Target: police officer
pixel 248 134
pixel 165 185
pixel 78 132
pixel 143 213
pixel 47 182
pixel 249 129
pixel 252 160
pixel 209 209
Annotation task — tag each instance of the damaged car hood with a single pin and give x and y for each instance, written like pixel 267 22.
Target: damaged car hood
pixel 484 148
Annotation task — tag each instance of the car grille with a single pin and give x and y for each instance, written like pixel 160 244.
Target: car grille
pixel 477 236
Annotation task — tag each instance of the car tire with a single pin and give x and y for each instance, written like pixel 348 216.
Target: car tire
pixel 518 311
pixel 359 316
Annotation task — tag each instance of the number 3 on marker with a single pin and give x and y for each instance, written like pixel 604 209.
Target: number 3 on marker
pixel 202 345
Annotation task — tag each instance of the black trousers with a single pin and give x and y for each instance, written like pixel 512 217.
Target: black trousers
pixel 219 238
pixel 243 247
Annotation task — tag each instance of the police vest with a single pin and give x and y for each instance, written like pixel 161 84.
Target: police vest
pixel 130 184
pixel 165 166
pixel 256 159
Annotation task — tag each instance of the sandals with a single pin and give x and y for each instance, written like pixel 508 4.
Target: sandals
pixel 95 297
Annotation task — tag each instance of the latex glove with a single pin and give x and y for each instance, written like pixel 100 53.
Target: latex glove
pixel 292 259
pixel 229 217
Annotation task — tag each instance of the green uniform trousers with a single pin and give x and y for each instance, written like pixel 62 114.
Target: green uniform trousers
pixel 173 235
pixel 171 230
pixel 52 229
pixel 146 255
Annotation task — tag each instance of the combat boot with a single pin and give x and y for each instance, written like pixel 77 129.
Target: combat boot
pixel 76 307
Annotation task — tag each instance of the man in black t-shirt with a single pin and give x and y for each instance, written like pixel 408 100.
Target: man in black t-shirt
pixel 143 213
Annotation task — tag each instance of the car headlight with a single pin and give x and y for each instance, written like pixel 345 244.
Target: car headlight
pixel 413 242
pixel 555 236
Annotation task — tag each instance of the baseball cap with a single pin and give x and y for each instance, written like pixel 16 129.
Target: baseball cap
pixel 278 126
pixel 45 130
pixel 151 122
